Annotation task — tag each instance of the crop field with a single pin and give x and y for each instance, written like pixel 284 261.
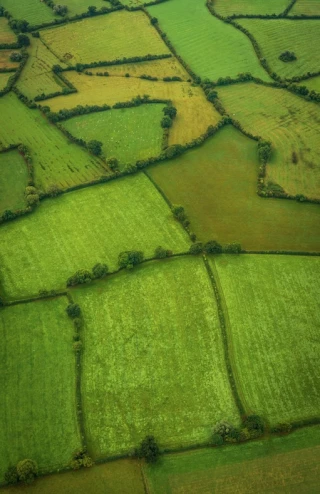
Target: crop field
pixel 37 77
pixel 274 329
pixel 307 7
pixel 147 358
pixel 279 35
pixel 105 38
pixel 255 7
pixel 5 62
pixel 33 11
pixel 38 411
pixel 280 464
pixel 211 48
pixel 292 126
pixel 194 112
pixel 80 6
pixel 4 77
pixel 6 34
pixel 57 240
pixel 55 159
pixel 113 127
pixel 13 181
pixel 216 184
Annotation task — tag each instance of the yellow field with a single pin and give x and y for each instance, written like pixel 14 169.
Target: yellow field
pixel 106 37
pixel 290 123
pixel 4 76
pixel 167 67
pixel 229 7
pixel 6 35
pixel 194 116
pixel 5 62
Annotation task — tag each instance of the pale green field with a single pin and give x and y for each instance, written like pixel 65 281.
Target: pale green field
pixel 33 11
pixel 307 7
pixel 211 48
pixel 6 34
pixel 290 123
pixel 81 6
pixel 4 77
pixel 105 37
pixel 55 159
pixel 79 229
pixel 272 305
pixel 312 84
pixel 279 35
pixel 129 134
pixel 154 360
pixel 13 180
pixel 38 403
pixel 255 7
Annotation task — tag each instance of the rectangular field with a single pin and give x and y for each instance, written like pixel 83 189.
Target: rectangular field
pixel 38 403
pixel 274 328
pixel 307 7
pixel 5 62
pixel 211 48
pixel 33 11
pixel 105 37
pixel 286 464
pixel 6 33
pixel 154 361
pixel 79 229
pixel 313 84
pixel 128 134
pixel 80 6
pixel 253 7
pixel 13 181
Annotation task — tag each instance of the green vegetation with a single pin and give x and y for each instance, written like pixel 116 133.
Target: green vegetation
pixel 313 84
pixel 80 6
pixel 38 412
pixel 210 47
pixel 253 7
pixel 154 351
pixel 217 185
pixel 307 7
pixel 32 11
pixel 13 181
pixel 271 302
pixel 4 77
pixel 6 34
pixel 279 464
pixel 128 134
pixel 57 240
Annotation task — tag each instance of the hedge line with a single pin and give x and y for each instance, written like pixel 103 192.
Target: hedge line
pixel 14 78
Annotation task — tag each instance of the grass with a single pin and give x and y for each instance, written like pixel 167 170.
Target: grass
pixel 217 185
pixel 105 37
pixel 38 412
pixel 57 241
pixel 154 352
pixel 272 308
pixel 290 123
pixel 279 35
pixel 307 7
pixel 37 77
pixel 33 11
pixel 211 48
pixel 5 62
pixel 279 464
pixel 194 116
pixel 312 84
pixel 80 6
pixel 55 159
pixel 117 477
pixel 112 128
pixel 4 77
pixel 253 7
pixel 13 180
pixel 6 34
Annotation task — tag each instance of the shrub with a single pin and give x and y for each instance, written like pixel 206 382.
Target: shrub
pixel 223 429
pixel 27 470
pixel 73 310
pixel 113 164
pixel 173 151
pixel 196 248
pixel 32 199
pixel 23 40
pixel 95 147
pixel 53 190
pixel 160 253
pixel 212 247
pixel 283 428
pixel 11 475
pixel 99 270
pixel 255 425
pixel 15 57
pixel 80 277
pixel 149 450
pixel 166 122
pixel 77 346
pixel 60 9
pixel 77 323
pixel 170 111
pixel 179 212
pixel 287 56
pixel 232 248
pixel 217 440
pixel 130 258
pixel 81 459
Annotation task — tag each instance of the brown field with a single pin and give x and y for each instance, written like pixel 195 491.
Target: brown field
pixel 5 62
pixel 194 116
pixel 6 35
pixel 217 185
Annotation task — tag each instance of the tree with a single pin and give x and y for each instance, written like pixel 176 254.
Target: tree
pixel 160 253
pixel 11 475
pixel 27 470
pixel 92 10
pixel 149 450
pixel 95 147
pixel 60 9
pixel 154 20
pixel 233 248
pixel 56 68
pixel 212 247
pixel 170 111
pixel 217 440
pixel 99 270
pixel 73 310
pixel 173 151
pixel 166 122
pixel 130 258
pixel 19 25
pixel 80 277
pixel 255 425
pixel 15 56
pixel 113 164
pixel 196 248
pixel 81 459
pixel 32 199
pixel 179 212
pixel 287 56
pixel 23 40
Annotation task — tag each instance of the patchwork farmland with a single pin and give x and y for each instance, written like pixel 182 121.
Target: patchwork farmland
pixel 159 246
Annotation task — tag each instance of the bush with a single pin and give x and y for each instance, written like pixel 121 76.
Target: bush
pixel 11 475
pixel 160 253
pixel 255 425
pixel 95 147
pixel 73 311
pixel 23 40
pixel 196 248
pixel 32 199
pixel 232 248
pixel 179 212
pixel 113 164
pixel 81 459
pixel 15 57
pixel 99 270
pixel 212 247
pixel 170 111
pixel 53 190
pixel 287 56
pixel 149 450
pixel 79 278
pixel 223 429
pixel 130 258
pixel 283 428
pixel 217 440
pixel 27 470
pixel 166 122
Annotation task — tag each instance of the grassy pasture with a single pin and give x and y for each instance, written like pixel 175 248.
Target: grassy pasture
pixel 312 84
pixel 129 134
pixel 290 123
pixel 211 48
pixel 6 34
pixel 80 6
pixel 55 159
pixel 4 77
pixel 57 240
pixel 5 62
pixel 307 7
pixel 272 305
pixel 253 7
pixel 217 185
pixel 157 367
pixel 37 76
pixel 33 11
pixel 38 412
pixel 13 180
pixel 194 116
pixel 279 35
pixel 105 38
pixel 286 464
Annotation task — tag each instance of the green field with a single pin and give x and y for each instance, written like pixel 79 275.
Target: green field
pixel 211 48
pixel 286 464
pixel 79 6
pixel 307 7
pixel 5 62
pixel 312 84
pixel 37 76
pixel 56 160
pixel 4 77
pixel 156 361
pixel 290 123
pixel 105 37
pixel 126 214
pixel 254 7
pixel 217 185
pixel 37 365
pixel 33 11
pixel 112 128
pixel 278 35
pixel 13 181
pixel 274 321
pixel 6 34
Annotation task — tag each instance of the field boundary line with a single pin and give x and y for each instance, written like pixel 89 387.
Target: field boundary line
pixel 144 479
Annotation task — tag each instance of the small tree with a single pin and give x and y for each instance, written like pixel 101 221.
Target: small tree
pixel 160 253
pixel 92 10
pixel 73 310
pixel 95 147
pixel 79 278
pixel 15 56
pixel 23 40
pixel 212 247
pixel 113 164
pixel 170 111
pixel 149 450
pixel 130 258
pixel 233 248
pixel 27 470
pixel 60 9
pixel 166 122
pixel 99 270
pixel 81 459
pixel 255 425
pixel 196 248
